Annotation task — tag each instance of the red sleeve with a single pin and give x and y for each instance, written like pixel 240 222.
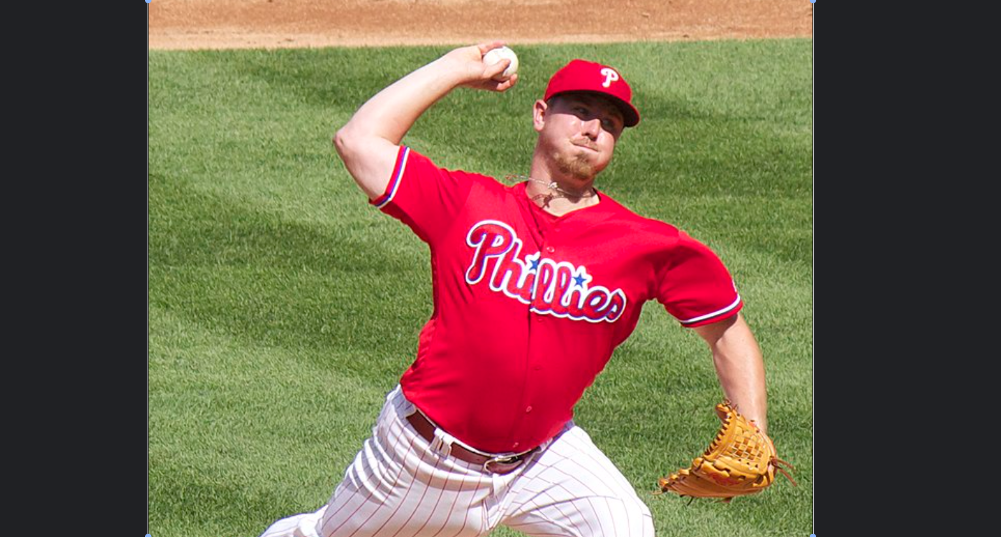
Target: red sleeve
pixel 422 195
pixel 695 287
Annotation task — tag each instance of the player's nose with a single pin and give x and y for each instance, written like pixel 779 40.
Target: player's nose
pixel 591 128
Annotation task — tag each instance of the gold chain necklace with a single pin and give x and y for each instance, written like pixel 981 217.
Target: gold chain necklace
pixel 555 190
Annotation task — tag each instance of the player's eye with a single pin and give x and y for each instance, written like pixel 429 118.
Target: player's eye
pixel 612 125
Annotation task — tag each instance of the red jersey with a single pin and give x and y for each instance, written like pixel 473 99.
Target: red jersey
pixel 528 306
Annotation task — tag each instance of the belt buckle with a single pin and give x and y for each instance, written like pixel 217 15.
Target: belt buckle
pixel 504 459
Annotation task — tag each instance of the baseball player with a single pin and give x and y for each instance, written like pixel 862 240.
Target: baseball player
pixel 535 285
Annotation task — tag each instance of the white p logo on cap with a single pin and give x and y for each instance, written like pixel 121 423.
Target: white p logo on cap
pixel 610 76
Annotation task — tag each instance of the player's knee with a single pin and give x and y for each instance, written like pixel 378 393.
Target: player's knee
pixel 639 519
pixel 626 517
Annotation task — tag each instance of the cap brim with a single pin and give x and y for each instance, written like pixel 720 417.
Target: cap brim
pixel 630 115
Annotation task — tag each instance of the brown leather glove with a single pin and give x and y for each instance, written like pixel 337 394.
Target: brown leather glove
pixel 740 461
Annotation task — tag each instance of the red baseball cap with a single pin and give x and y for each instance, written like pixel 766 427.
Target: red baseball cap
pixel 591 77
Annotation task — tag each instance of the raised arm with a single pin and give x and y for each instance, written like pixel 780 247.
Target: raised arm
pixel 739 365
pixel 369 142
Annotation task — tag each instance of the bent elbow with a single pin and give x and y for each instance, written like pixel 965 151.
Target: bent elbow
pixel 342 141
pixel 368 158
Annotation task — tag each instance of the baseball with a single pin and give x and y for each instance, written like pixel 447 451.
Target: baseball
pixel 499 54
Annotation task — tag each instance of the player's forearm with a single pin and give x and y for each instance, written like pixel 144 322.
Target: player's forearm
pixel 741 370
pixel 394 110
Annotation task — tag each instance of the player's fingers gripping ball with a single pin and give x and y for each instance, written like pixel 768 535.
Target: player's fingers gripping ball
pixel 502 53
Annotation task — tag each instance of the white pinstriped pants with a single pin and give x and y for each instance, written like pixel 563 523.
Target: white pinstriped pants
pixel 398 487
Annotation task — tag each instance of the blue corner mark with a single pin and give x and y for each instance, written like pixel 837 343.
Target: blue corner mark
pixel 812 534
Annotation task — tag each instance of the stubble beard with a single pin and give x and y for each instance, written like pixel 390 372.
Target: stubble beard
pixel 577 167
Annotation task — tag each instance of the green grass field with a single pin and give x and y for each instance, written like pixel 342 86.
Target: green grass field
pixel 282 307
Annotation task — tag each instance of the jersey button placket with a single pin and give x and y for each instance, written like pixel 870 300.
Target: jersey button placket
pixel 535 363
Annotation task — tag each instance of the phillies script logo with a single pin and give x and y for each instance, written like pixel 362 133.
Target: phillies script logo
pixel 551 288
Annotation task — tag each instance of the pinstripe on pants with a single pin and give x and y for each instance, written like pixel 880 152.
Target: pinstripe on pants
pixel 398 487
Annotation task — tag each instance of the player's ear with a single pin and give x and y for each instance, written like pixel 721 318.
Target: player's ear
pixel 539 114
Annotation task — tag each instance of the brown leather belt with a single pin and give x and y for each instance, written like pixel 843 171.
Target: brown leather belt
pixel 500 464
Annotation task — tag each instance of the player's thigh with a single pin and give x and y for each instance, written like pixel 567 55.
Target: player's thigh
pixel 417 512
pixel 397 486
pixel 574 490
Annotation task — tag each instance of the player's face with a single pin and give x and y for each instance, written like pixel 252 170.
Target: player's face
pixel 578 133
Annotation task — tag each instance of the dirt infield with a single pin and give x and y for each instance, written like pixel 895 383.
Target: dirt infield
pixel 197 24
